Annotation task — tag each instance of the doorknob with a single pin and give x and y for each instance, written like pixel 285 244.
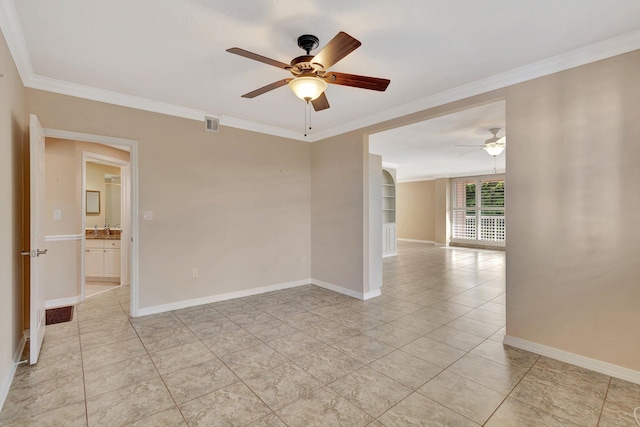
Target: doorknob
pixel 39 252
pixel 25 253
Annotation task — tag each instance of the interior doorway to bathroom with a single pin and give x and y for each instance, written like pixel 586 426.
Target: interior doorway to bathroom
pixel 106 217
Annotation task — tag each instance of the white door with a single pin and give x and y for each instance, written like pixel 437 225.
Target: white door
pixel 37 238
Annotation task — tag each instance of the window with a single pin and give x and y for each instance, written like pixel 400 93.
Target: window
pixel 478 210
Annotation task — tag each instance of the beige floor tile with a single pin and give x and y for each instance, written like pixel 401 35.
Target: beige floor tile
pixel 107 336
pixel 578 406
pixel 330 332
pixel 504 354
pixel 614 415
pixel 149 325
pixel 271 330
pixel 415 324
pixel 234 405
pixel 166 339
pixel 231 342
pixel 128 404
pixel 101 324
pixel 392 335
pixel 49 369
pixel 433 351
pixel 111 353
pixel 455 338
pixel 328 364
pixel 475 327
pixel 406 369
pixel 282 385
pixel 167 418
pixel 296 345
pixel 363 348
pixel 74 415
pixel 497 319
pixel 463 396
pixel 107 378
pixel 518 414
pixel 271 420
pixel 203 314
pixel 323 408
pixel 198 380
pixel 61 330
pixel 567 375
pixel 370 390
pixel 494 375
pixel 212 328
pixel 182 356
pixel 254 360
pixel 418 410
pixel 28 400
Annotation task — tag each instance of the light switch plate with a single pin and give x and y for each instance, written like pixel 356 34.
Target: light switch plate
pixel 57 214
pixel 147 215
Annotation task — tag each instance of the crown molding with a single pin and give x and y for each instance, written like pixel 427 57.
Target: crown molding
pixel 13 34
pixel 12 31
pixel 595 52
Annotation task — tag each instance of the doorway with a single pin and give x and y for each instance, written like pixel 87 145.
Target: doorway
pixel 106 214
pixel 129 204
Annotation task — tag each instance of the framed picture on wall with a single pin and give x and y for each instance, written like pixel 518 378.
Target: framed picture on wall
pixel 93 202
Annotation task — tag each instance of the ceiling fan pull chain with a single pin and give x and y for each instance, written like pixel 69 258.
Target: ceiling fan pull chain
pixel 306 105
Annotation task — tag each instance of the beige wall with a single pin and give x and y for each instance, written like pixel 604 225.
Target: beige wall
pixel 339 166
pixel 415 210
pixel 234 204
pixel 573 269
pixel 13 126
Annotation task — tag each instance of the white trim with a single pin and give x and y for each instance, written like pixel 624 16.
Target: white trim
pixel 4 389
pixel 389 165
pixel 63 237
pixel 389 254
pixel 63 302
pixel 217 298
pixel 595 52
pixel 575 359
pixel 416 241
pixel 345 291
pixel 14 37
pixel 15 40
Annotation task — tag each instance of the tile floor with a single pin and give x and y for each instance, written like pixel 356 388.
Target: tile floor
pixel 427 352
pixel 95 288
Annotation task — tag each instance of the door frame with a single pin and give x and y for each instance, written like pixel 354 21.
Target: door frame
pixel 133 199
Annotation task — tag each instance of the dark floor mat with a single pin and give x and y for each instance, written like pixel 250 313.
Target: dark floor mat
pixel 59 315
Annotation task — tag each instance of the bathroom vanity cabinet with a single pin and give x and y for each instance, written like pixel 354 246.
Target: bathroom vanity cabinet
pixel 102 258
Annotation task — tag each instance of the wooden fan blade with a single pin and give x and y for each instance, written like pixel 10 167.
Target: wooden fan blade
pixel 355 80
pixel 267 88
pixel 260 58
pixel 339 47
pixel 320 103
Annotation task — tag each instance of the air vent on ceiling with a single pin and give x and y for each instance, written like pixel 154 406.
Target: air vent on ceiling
pixel 211 124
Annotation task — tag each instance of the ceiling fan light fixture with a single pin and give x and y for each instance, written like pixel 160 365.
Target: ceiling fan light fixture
pixel 308 88
pixel 493 148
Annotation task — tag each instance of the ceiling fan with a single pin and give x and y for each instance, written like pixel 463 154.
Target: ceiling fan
pixel 494 146
pixel 310 72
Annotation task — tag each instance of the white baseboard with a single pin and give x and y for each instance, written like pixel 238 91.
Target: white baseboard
pixel 62 302
pixel 345 291
pixel 575 359
pixel 416 241
pixel 144 311
pixel 390 254
pixel 6 382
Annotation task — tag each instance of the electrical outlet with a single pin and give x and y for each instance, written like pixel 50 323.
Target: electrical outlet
pixel 195 272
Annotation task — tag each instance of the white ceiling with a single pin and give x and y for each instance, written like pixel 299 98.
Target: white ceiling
pixel 169 56
pixel 429 149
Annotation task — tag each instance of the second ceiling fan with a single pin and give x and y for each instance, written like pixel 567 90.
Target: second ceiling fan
pixel 310 72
